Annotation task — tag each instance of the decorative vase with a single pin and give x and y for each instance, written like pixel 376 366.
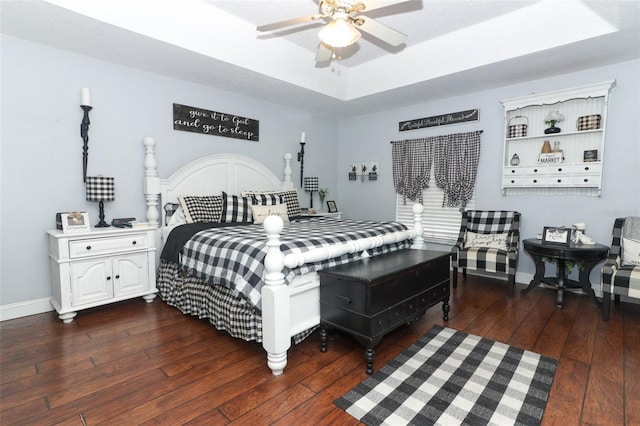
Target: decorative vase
pixel 551 130
pixel 546 148
pixel 515 160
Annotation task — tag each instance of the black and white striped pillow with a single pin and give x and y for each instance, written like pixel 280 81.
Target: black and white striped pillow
pixel 235 209
pixel 266 199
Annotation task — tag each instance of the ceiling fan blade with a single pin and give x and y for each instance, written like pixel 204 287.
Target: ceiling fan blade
pixel 378 4
pixel 381 31
pixel 289 22
pixel 324 53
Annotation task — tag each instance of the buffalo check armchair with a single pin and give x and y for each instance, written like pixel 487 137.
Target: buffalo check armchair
pixel 489 241
pixel 620 274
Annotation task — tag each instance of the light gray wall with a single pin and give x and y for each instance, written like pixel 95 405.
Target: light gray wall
pixel 41 152
pixel 41 149
pixel 367 138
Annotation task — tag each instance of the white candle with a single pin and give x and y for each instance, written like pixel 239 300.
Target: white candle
pixel 86 97
pixel 303 137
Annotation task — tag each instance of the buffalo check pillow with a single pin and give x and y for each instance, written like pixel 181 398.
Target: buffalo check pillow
pixel 206 208
pixel 235 208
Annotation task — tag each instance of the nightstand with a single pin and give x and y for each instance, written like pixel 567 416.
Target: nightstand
pixel 335 215
pixel 98 267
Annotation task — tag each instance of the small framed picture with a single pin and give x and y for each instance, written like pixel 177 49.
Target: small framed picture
pixel 331 205
pixel 552 235
pixel 75 222
pixel 590 155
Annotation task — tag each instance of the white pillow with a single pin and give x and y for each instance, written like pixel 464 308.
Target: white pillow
pixel 261 212
pixel 630 252
pixel 177 218
pixel 496 241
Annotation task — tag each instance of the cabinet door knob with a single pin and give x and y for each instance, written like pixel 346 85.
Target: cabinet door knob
pixel 535 170
pixel 109 278
pixel 559 169
pixel 513 181
pixel 88 247
pixel 117 277
pixel 134 242
pixel 513 171
pixel 586 168
pixel 586 180
pixel 535 181
pixel 559 180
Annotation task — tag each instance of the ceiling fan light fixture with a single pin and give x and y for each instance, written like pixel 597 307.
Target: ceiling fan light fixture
pixel 339 33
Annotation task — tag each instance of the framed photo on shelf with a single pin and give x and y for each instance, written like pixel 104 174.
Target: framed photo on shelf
pixel 331 205
pixel 553 235
pixel 75 222
pixel 590 155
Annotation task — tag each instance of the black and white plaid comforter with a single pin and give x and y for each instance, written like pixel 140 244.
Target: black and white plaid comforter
pixel 234 256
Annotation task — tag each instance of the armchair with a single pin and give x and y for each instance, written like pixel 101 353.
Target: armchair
pixel 620 274
pixel 489 241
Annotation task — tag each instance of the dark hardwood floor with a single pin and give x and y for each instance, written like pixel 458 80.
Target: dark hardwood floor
pixel 134 363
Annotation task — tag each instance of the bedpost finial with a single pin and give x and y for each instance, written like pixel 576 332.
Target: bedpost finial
pixel 149 141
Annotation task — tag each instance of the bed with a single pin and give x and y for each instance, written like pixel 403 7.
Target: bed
pixel 284 304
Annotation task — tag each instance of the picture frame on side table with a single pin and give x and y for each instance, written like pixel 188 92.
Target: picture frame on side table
pixel 75 222
pixel 331 206
pixel 555 235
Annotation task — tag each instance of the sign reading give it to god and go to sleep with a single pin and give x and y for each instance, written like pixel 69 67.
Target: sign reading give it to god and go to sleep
pixel 197 120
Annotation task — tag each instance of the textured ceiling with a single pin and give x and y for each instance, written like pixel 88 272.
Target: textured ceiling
pixel 453 46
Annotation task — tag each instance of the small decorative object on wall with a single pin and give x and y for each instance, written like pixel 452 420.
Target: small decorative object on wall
pixel 363 169
pixel 515 160
pixel 197 120
pixel 331 205
pixel 590 155
pixel 311 185
pixel 440 120
pixel 75 222
pixel 551 119
pixel 85 104
pixel 303 141
pixel 518 127
pixel 101 189
pixel 555 235
pixel 373 170
pixel 353 172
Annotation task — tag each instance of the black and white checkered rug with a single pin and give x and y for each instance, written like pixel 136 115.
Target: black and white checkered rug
pixel 448 377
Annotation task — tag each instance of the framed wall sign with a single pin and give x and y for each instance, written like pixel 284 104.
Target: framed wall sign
pixel 75 222
pixel 552 235
pixel 331 205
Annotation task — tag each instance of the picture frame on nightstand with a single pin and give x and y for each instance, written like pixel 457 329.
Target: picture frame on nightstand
pixel 331 206
pixel 74 222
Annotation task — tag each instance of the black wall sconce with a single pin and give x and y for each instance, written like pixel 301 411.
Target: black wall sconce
pixel 303 140
pixel 85 104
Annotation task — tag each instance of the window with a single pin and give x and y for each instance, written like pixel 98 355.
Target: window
pixel 441 224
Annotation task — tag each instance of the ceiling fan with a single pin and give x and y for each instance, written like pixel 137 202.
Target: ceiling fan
pixel 343 22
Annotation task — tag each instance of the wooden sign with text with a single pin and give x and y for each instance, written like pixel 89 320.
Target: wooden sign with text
pixel 440 120
pixel 197 120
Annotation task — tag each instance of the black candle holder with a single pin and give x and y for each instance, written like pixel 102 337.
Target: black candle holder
pixel 84 133
pixel 301 160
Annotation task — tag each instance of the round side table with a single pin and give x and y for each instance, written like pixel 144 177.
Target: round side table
pixel 588 255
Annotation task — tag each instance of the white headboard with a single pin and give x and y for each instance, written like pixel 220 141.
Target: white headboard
pixel 208 175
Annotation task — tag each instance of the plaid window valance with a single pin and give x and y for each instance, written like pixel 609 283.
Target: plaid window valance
pixel 454 158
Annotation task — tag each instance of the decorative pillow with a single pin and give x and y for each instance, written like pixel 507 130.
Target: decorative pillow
pixel 201 208
pixel 290 198
pixel 177 218
pixel 496 241
pixel 169 210
pixel 266 199
pixel 261 212
pixel 235 209
pixel 630 252
pixel 293 205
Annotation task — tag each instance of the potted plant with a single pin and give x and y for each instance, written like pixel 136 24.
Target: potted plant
pixel 551 119
pixel 323 192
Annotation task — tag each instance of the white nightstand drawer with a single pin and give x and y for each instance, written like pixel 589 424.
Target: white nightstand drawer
pixel 109 245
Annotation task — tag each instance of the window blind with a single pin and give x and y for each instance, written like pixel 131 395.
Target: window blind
pixel 441 224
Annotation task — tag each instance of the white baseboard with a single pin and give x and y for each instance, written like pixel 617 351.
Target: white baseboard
pixel 24 309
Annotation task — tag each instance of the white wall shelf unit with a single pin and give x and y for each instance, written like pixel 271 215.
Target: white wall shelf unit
pixel 572 174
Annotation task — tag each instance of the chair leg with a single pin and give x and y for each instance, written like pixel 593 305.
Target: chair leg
pixel 511 285
pixel 617 299
pixel 464 273
pixel 455 277
pixel 606 302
